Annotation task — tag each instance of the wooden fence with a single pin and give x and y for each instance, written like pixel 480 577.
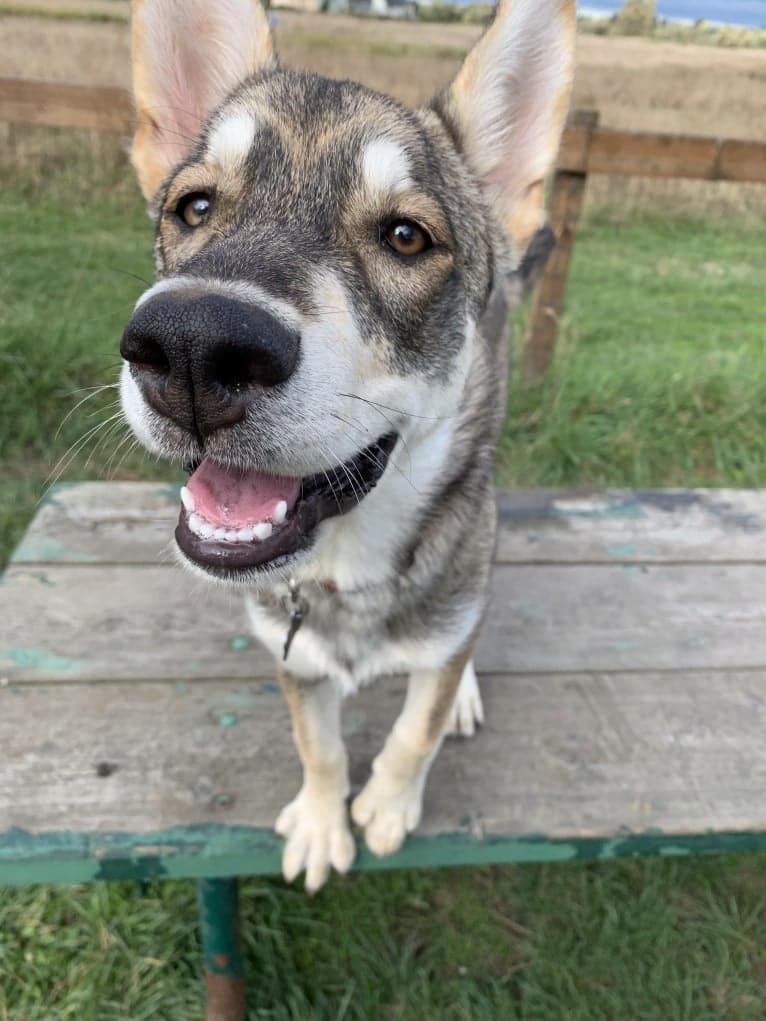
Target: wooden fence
pixel 586 149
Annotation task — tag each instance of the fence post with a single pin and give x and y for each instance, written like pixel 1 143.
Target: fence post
pixel 566 202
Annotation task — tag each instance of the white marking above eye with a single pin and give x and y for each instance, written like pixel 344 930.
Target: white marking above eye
pixel 230 141
pixel 386 167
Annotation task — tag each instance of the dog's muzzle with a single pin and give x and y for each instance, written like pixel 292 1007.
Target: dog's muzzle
pixel 199 359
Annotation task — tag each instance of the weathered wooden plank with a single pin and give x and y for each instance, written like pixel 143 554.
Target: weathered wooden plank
pixel 83 623
pixel 742 161
pixel 647 154
pixel 133 522
pixel 59 104
pixel 120 773
pixel 94 623
pixel 102 522
pixel 640 154
pixel 631 526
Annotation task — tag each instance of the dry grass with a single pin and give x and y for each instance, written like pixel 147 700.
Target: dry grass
pixel 636 84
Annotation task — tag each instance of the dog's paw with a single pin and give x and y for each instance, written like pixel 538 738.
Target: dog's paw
pixel 387 810
pixel 467 709
pixel 317 836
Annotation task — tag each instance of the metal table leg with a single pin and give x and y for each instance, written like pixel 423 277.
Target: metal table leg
pixel 219 920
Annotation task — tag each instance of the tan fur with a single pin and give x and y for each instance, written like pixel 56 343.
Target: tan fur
pixel 444 696
pixel 522 210
pixel 310 741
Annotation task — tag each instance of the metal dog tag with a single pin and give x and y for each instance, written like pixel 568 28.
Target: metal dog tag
pixel 298 608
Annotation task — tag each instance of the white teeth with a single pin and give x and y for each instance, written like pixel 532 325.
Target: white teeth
pixel 187 500
pixel 205 530
pixel 280 512
pixel 196 522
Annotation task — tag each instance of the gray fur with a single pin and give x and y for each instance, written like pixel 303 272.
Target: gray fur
pixel 293 217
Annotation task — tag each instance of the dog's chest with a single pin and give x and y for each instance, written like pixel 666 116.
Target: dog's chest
pixel 343 636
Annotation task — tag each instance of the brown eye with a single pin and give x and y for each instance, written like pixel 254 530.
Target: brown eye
pixel 406 238
pixel 194 209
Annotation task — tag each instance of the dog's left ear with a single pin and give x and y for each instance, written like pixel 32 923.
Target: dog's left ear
pixel 509 103
pixel 187 56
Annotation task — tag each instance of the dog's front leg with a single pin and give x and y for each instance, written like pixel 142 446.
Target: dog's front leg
pixel 390 804
pixel 315 824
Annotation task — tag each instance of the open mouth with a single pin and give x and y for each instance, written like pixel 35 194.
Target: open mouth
pixel 235 520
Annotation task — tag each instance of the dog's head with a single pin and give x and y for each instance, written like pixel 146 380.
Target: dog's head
pixel 324 256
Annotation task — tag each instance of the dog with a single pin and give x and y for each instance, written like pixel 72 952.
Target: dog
pixel 325 349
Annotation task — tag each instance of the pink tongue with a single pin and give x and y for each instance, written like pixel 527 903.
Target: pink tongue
pixel 226 497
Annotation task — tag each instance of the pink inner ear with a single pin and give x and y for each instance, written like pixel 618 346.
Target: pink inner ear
pixel 180 111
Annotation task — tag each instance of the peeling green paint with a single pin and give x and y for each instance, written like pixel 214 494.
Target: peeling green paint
pixel 37 659
pixel 528 606
pixel 182 687
pixel 23 574
pixel 216 851
pixel 37 548
pixel 629 507
pixel 219 917
pixel 624 646
pixel 238 644
pixel 248 699
pixel 228 719
pixel 629 549
pixel 51 495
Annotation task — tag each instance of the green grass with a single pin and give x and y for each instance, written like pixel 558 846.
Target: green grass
pixel 67 286
pixel 645 941
pixel 660 379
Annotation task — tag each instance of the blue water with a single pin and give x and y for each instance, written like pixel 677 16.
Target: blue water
pixel 732 12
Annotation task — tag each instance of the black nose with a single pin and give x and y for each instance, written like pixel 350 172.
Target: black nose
pixel 200 358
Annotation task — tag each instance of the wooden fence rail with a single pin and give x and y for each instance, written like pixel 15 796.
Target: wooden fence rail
pixel 586 149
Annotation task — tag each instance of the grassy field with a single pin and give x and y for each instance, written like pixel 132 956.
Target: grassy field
pixel 660 379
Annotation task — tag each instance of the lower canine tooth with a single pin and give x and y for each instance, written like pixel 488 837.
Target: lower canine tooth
pixel 280 512
pixel 262 530
pixel 187 499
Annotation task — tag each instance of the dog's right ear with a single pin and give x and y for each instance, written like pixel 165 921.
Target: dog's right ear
pixel 508 105
pixel 187 56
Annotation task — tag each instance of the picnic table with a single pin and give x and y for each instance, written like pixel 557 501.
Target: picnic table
pixel 622 663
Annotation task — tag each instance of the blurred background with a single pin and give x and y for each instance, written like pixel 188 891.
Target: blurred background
pixel 659 379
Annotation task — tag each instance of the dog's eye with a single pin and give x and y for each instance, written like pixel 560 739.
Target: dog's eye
pixel 406 238
pixel 194 209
